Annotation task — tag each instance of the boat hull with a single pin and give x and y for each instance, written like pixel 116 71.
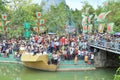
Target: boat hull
pixel 40 66
pixel 38 62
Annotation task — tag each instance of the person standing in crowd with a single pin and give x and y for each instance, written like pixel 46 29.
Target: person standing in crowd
pixel 92 58
pixel 52 45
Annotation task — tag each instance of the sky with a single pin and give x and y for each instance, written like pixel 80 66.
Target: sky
pixel 77 4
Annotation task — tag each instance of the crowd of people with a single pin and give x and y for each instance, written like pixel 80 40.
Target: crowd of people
pixel 106 41
pixel 66 47
pixel 61 47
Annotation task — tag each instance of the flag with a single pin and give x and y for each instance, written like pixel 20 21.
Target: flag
pixel 85 29
pixel 38 14
pixel 84 21
pixel 89 18
pixel 42 21
pixel 27 25
pixel 101 28
pixel 110 27
pixel 102 16
pixel 42 29
pixel 35 29
pixel 4 16
pixel 27 34
pixel 90 28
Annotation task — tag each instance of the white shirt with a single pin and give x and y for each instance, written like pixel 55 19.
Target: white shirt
pixel 79 52
pixel 57 43
pixel 92 56
pixel 72 44
pixel 55 57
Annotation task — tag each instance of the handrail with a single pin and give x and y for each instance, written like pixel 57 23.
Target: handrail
pixel 112 46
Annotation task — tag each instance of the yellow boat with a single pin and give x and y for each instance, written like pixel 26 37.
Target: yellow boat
pixel 38 62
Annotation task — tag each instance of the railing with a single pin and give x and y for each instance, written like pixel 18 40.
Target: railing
pixel 113 46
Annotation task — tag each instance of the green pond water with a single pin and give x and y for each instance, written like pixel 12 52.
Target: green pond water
pixel 10 71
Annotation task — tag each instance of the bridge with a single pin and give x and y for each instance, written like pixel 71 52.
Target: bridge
pixel 113 47
pixel 106 53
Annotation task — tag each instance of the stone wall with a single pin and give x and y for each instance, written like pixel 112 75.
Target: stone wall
pixel 106 59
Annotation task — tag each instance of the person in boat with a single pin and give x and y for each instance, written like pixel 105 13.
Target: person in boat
pixel 55 58
pixel 36 50
pixel 22 49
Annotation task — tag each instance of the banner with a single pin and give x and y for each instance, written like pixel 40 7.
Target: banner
pixel 27 34
pixel 42 21
pixel 84 21
pixel 101 27
pixel 110 28
pixel 4 16
pixel 89 18
pixel 42 29
pixel 26 25
pixel 102 16
pixel 90 28
pixel 85 29
pixel 35 29
pixel 38 14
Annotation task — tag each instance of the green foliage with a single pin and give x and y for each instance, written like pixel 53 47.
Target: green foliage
pixel 77 19
pixel 99 10
pixel 114 7
pixel 15 32
pixel 56 18
pixel 86 5
pixel 117 75
pixel 2 6
pixel 23 11
pixel 20 11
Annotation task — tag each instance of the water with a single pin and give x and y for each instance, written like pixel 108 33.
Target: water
pixel 10 71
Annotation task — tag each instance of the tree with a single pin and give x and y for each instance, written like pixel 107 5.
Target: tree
pixel 87 5
pixel 56 18
pixel 2 6
pixel 114 16
pixel 76 16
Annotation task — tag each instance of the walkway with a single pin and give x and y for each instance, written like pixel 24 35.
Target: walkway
pixel 67 65
pixel 107 46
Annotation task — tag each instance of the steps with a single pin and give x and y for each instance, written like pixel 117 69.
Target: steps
pixel 71 66
pixel 10 58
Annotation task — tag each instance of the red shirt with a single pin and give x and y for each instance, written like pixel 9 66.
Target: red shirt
pixel 36 38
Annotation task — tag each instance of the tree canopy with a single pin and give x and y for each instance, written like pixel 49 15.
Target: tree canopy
pixel 20 11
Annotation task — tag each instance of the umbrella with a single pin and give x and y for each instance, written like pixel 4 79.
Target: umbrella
pixel 50 33
pixel 117 34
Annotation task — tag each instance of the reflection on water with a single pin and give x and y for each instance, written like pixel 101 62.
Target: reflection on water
pixel 9 71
